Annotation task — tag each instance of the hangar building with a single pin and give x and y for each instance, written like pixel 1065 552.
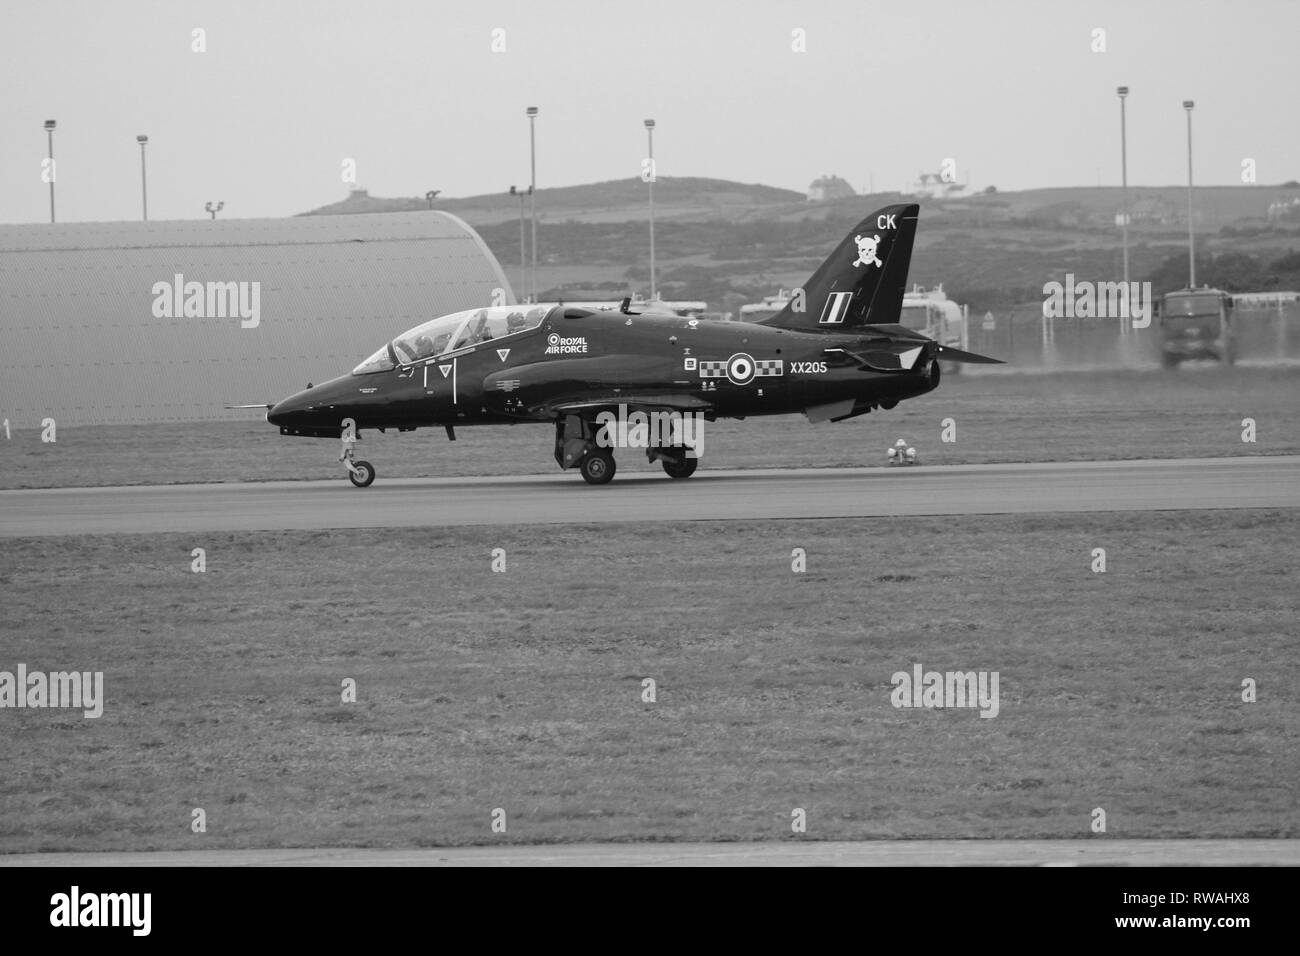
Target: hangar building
pixel 120 323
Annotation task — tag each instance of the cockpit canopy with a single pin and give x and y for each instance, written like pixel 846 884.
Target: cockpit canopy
pixel 450 333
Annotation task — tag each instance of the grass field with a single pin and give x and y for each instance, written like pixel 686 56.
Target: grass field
pixel 522 690
pixel 1000 418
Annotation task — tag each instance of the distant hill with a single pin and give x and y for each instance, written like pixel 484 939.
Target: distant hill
pixel 728 242
pixel 1154 210
pixel 593 202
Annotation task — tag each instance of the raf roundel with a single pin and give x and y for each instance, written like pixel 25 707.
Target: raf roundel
pixel 740 369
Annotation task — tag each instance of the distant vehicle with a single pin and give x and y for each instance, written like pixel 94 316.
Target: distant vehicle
pixel 1196 324
pixel 770 306
pixel 1263 300
pixel 935 316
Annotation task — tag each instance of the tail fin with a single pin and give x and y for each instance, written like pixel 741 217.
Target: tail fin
pixel 863 281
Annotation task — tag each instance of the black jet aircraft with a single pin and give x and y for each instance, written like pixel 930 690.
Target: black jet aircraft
pixel 834 352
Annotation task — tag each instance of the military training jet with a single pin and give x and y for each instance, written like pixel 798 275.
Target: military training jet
pixel 835 351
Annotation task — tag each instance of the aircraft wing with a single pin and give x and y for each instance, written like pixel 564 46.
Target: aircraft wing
pixel 645 402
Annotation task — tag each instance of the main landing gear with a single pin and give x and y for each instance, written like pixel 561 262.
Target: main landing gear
pixel 576 447
pixel 677 463
pixel 598 467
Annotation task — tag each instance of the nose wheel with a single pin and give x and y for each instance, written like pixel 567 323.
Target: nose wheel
pixel 361 473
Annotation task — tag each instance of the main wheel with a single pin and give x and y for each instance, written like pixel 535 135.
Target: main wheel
pixel 681 469
pixel 598 468
pixel 364 474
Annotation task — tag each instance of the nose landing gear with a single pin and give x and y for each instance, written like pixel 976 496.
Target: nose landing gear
pixel 360 473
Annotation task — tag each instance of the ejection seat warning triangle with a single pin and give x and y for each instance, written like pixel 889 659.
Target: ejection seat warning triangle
pixel 444 369
pixel 503 353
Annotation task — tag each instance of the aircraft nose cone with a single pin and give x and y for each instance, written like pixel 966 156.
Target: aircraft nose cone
pixel 284 413
pixel 317 412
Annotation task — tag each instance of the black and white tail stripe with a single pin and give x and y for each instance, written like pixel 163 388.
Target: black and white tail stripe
pixel 837 304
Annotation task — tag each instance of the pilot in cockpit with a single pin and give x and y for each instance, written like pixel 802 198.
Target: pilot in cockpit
pixel 424 347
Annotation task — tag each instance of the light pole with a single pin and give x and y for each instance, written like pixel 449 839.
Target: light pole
pixel 650 132
pixel 144 185
pixel 532 194
pixel 1191 235
pixel 431 195
pixel 1123 166
pixel 212 210
pixel 49 132
pixel 523 268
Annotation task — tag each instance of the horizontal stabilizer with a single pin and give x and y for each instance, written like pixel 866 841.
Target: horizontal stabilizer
pixel 957 355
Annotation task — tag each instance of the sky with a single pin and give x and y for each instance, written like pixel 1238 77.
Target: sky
pixel 427 94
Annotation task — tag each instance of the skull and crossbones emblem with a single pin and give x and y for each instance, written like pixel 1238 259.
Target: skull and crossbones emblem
pixel 867 251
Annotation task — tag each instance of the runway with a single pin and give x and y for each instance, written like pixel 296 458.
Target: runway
pixel 1091 852
pixel 1154 485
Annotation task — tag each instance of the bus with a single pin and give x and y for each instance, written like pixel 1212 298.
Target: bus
pixel 936 316
pixel 770 306
pixel 1196 324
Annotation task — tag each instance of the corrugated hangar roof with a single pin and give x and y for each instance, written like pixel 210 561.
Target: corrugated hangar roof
pixel 92 331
